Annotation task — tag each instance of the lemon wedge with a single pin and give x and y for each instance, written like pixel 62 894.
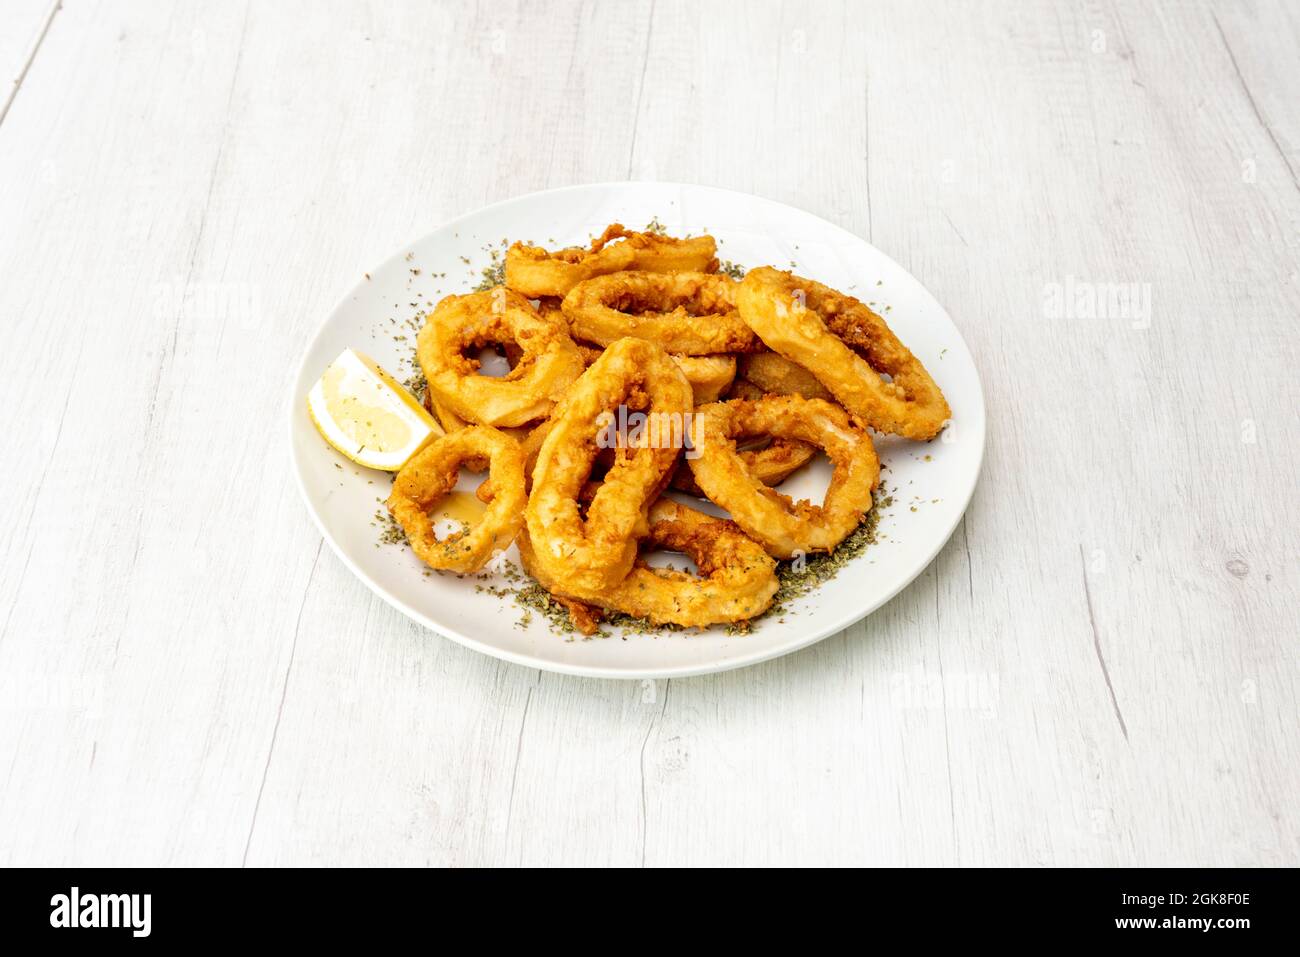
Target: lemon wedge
pixel 365 414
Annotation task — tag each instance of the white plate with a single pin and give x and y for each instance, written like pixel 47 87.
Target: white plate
pixel 937 478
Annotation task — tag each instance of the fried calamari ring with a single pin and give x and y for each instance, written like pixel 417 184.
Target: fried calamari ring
pixel 771 463
pixel 530 443
pixel 774 374
pixel 450 422
pixel 691 313
pixel 431 474
pixel 534 272
pixel 598 552
pixel 709 376
pixel 848 348
pixel 736 579
pixel 548 364
pixel 782 526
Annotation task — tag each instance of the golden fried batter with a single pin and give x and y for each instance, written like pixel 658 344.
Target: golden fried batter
pixel 534 272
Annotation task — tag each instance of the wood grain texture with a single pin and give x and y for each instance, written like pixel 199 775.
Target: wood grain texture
pixel 1100 667
pixel 24 25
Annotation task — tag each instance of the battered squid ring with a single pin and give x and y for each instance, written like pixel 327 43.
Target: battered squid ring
pixel 597 553
pixel 736 580
pixel 772 464
pixel 709 376
pixel 775 374
pixel 530 443
pixel 782 526
pixel 692 313
pixel 847 347
pixel 534 272
pixel 548 363
pixel 432 473
pixel 451 422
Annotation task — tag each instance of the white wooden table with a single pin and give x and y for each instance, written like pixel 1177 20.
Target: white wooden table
pixel 1100 668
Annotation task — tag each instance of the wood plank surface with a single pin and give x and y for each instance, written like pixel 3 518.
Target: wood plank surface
pixel 1100 668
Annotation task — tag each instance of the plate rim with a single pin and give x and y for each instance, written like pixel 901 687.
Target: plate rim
pixel 590 671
